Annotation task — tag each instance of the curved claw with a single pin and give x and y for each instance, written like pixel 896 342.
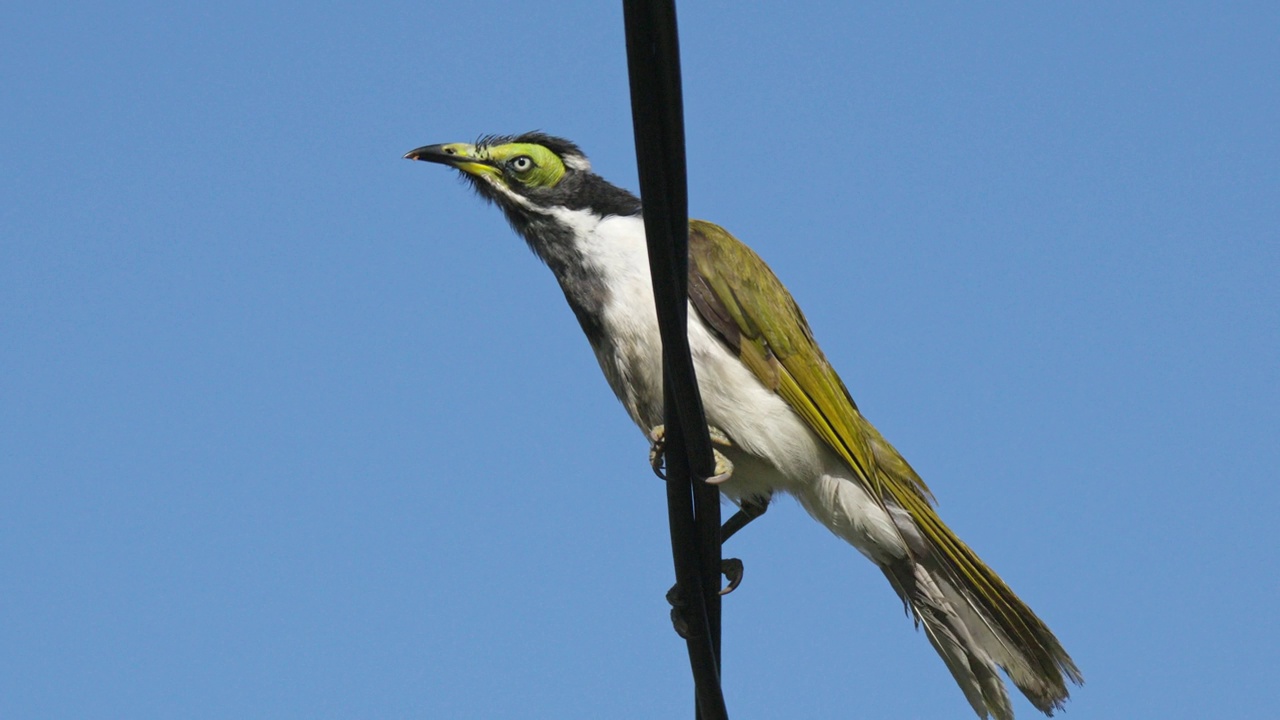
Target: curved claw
pixel 657 445
pixel 724 466
pixel 724 469
pixel 732 569
pixel 655 462
pixel 678 621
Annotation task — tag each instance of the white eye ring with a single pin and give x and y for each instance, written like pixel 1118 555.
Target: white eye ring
pixel 522 163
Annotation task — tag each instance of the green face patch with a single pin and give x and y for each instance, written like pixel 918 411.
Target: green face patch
pixel 530 164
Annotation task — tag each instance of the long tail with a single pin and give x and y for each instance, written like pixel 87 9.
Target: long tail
pixel 971 617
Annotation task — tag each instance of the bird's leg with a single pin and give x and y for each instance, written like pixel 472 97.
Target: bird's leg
pixel 657 449
pixel 731 568
pixel 724 466
pixel 748 510
pixel 658 445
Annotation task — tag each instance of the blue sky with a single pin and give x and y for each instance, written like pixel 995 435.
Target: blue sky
pixel 293 428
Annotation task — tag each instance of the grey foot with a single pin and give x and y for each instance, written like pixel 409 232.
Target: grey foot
pixel 657 448
pixel 731 568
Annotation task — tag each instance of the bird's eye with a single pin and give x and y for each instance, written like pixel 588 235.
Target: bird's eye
pixel 521 163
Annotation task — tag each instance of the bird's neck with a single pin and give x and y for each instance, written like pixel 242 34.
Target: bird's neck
pixel 567 250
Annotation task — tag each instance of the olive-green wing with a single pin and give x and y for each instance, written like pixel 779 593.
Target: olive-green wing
pixel 744 302
pixel 739 297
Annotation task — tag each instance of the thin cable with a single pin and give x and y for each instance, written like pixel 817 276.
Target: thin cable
pixel 653 61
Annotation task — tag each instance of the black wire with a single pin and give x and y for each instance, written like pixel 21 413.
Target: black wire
pixel 653 60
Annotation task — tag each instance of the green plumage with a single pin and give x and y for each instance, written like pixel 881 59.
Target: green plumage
pixel 737 295
pixel 784 419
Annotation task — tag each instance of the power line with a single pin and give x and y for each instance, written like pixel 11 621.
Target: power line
pixel 693 506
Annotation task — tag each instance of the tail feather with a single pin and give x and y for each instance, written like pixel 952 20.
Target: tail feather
pixel 970 616
pixel 999 623
pixel 944 624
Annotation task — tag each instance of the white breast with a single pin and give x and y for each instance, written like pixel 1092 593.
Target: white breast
pixel 777 448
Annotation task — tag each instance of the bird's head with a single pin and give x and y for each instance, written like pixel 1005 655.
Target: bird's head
pixel 520 170
pixel 530 175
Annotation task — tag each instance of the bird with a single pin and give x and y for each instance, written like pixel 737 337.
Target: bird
pixel 781 419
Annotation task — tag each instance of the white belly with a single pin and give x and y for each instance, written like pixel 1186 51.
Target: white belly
pixel 774 450
pixel 773 439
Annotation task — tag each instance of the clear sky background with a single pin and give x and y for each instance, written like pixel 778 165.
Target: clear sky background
pixel 293 428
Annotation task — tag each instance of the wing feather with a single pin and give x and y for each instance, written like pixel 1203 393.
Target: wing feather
pixel 735 293
pixel 744 302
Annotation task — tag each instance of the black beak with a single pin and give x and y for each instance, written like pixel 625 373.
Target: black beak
pixel 444 154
